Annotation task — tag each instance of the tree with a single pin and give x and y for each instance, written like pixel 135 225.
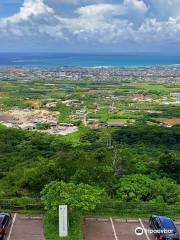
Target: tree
pixel 81 197
pixel 170 165
pixel 91 137
pixel 139 187
pixel 42 126
pixel 135 187
pixel 39 174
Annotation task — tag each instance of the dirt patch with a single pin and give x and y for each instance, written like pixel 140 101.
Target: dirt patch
pixel 5 117
pixel 28 119
pixel 170 121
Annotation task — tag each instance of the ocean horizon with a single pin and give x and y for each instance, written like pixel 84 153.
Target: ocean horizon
pixel 85 60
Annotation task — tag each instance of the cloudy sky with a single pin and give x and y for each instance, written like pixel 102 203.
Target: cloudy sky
pixel 90 25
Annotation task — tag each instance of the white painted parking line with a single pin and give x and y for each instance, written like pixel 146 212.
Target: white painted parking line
pixel 114 230
pixel 10 231
pixel 145 232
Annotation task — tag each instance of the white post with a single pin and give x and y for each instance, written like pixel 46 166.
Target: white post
pixel 63 221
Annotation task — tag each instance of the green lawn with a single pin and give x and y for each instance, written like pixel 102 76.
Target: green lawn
pixel 74 138
pixel 118 120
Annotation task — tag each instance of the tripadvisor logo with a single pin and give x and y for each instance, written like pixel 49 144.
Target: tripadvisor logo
pixel 140 231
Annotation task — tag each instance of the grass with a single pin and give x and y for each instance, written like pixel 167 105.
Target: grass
pixel 157 87
pixel 118 121
pixel 132 214
pixel 23 211
pixel 52 233
pixel 50 230
pixel 74 138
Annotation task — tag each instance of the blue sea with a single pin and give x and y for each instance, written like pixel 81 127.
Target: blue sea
pixel 85 60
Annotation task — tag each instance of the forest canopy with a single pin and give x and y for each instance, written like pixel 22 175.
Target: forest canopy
pixel 143 163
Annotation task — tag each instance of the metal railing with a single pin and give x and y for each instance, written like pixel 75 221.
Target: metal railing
pixel 20 204
pixel 118 207
pixel 109 206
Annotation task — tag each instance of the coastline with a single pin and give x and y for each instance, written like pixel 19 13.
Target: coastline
pixel 52 60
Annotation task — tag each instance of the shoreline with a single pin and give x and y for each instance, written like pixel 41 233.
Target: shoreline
pixel 106 67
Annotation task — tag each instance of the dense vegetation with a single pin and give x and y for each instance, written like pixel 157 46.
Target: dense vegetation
pixel 143 163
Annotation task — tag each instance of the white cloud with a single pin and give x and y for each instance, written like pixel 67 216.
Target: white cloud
pixel 29 9
pixel 163 9
pixel 105 9
pixel 62 1
pixel 160 31
pixel 97 23
pixel 27 21
pixel 137 5
pixel 73 1
pixel 99 10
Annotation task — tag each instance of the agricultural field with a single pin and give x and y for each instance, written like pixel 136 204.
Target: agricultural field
pixel 93 104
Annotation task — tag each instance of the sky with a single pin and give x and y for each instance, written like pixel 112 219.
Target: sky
pixel 90 26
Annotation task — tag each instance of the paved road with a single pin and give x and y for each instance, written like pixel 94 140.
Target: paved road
pixel 26 227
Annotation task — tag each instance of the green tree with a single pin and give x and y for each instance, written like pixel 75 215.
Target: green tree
pixel 139 187
pixel 80 197
pixel 170 165
pixel 91 137
pixel 42 126
pixel 39 174
pixel 135 187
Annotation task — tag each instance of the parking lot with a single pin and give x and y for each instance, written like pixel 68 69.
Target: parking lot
pixel 25 227
pixel 116 229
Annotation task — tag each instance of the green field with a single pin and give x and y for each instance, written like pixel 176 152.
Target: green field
pixel 101 101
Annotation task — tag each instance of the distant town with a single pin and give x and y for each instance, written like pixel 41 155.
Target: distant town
pixel 113 74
